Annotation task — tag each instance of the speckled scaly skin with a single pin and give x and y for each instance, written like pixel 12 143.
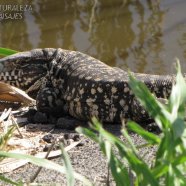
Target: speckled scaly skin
pixel 70 82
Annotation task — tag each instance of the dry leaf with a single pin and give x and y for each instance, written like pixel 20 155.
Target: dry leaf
pixel 12 94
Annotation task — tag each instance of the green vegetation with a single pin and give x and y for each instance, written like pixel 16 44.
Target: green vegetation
pixel 170 161
pixel 66 169
pixel 7 52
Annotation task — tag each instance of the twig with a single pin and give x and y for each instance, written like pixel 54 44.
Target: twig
pixel 10 164
pixel 39 169
pixel 5 114
pixel 16 125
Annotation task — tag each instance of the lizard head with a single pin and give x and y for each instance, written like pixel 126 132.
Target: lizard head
pixel 24 69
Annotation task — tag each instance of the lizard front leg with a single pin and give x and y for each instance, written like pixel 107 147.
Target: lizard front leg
pixel 48 100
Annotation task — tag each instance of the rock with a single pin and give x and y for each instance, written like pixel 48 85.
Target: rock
pixel 74 137
pixel 80 144
pixel 49 138
pixel 40 117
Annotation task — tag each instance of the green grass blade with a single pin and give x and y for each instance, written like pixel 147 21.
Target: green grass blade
pixel 180 159
pixel 164 148
pixel 140 167
pixel 5 137
pixel 129 140
pixel 88 133
pixel 179 175
pixel 155 109
pixel 7 180
pixel 7 51
pixel 178 94
pixel 178 128
pixel 150 137
pixel 170 177
pixel 160 170
pixel 68 167
pixel 119 172
pixel 44 163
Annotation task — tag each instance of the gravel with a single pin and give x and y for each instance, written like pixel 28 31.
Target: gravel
pixel 86 159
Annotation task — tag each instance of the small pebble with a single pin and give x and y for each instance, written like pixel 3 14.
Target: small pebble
pixel 75 137
pixel 66 136
pixel 80 144
pixel 49 138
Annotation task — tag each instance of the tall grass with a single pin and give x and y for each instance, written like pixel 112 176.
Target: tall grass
pixel 169 165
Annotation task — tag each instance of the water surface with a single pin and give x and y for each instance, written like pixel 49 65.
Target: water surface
pixel 144 36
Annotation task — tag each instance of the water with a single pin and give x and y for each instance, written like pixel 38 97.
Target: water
pixel 144 36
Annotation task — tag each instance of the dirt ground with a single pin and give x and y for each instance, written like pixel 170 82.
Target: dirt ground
pixel 86 159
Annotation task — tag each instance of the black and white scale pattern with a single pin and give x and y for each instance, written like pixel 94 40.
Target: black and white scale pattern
pixel 70 82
